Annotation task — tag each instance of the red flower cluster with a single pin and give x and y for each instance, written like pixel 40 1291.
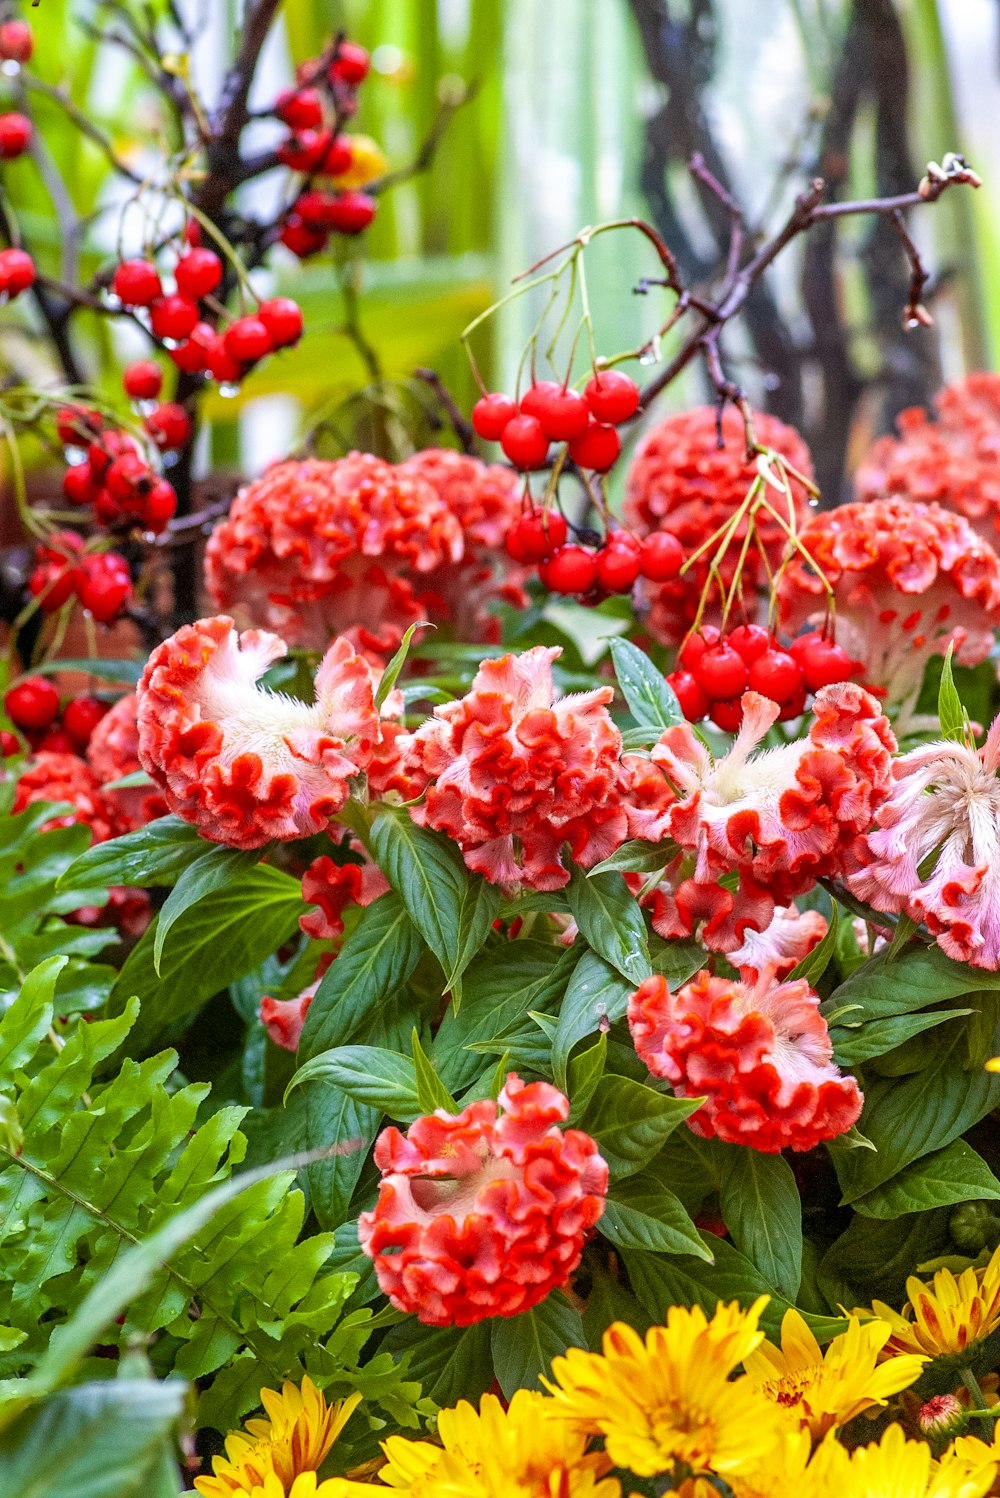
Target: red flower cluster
pixel 761 1057
pixel 242 764
pixel 908 580
pixel 331 887
pixel 113 753
pixel 954 460
pixel 357 546
pixel 483 1213
pixel 780 819
pixel 515 772
pixel 682 482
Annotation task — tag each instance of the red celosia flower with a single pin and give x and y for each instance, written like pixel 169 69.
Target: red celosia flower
pixel 316 549
pixel 331 887
pixel 242 764
pixel 954 460
pixel 761 1057
pixel 780 818
pixel 517 772
pixel 113 753
pixel 768 956
pixel 908 580
pixel 681 481
pixel 283 1018
pixel 483 1213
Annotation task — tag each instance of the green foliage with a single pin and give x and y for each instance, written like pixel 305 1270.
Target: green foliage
pixel 523 1346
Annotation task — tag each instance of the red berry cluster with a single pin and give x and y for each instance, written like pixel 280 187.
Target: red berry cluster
pixel 714 670
pixel 539 536
pixel 325 94
pixel 116 478
pixel 17 272
pixel 63 570
pixel 16 130
pixel 549 412
pixel 33 706
pixel 176 322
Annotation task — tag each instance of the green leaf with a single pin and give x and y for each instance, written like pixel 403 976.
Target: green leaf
pixel 637 857
pixel 452 909
pixel 596 995
pixel 611 922
pixel 815 963
pixel 853 1046
pixel 375 961
pixel 524 1346
pixel 916 978
pixel 760 1204
pixel 641 1212
pixel 101 1440
pixel 397 663
pixel 951 713
pixel 585 1071
pixel 943 1179
pixel 156 854
pixel 630 1121
pixel 650 700
pixel 449 1362
pixel 218 868
pixel 431 1091
pixel 104 667
pixel 382 1079
pixel 29 1017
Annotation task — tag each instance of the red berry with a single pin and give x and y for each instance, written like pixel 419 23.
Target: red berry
pixel 136 283
pixel 823 662
pixel 106 588
pixel 777 675
pixel 661 557
pixel 53 585
pixel 192 354
pixel 173 317
pixel 337 157
pixel 727 715
pixel 750 641
pixel 76 426
pixel 143 381
pixel 612 396
pixel 80 717
pixel 793 709
pixel 524 442
pixel 351 64
pixel 596 449
pixel 16 41
pixel 690 698
pixel 695 645
pixel 571 569
pixel 32 703
pixel 538 534
pixel 127 479
pixel 221 364
pixel 61 546
pixel 304 152
pixel 534 398
pixel 247 340
pixel 302 239
pixel 721 673
pixel 9 744
pixel 160 506
pixel 198 273
pixel 316 208
pixel 110 445
pixel 17 271
pixel 491 414
pixel 192 233
pixel 169 426
pixel 617 568
pixel 15 135
pixel 283 320
pixel 352 212
pixel 562 412
pixel 55 742
pixel 300 108
pixel 77 485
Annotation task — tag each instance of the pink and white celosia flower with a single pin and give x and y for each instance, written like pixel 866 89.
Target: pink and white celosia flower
pixel 908 580
pixel 768 956
pixel 242 764
pixel 779 818
pixel 515 773
pixel 760 1056
pixel 946 798
pixel 484 1212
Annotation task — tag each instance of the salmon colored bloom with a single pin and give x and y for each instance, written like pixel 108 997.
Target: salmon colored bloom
pixel 908 580
pixel 517 772
pixel 295 1440
pixel 768 956
pixel 485 1212
pixel 945 1315
pixel 242 764
pixel 283 1018
pixel 331 887
pixel 760 1057
pixel 49 776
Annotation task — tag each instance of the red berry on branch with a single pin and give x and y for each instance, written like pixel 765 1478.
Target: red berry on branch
pixel 721 673
pixel 596 449
pixel 337 157
pixel 127 480
pixel 15 135
pixel 690 698
pixel 169 426
pixel 823 662
pixel 143 381
pixel 247 340
pixel 777 675
pixel 76 426
pixel 572 569
pixel 192 355
pixel 352 212
pixel 9 744
pixel 80 717
pixel 16 41
pixel 106 588
pixel 192 233
pixel 562 412
pixel 198 273
pixel 315 207
pixel 350 65
pixel 727 715
pixel 221 364
pixel 302 239
pixel 534 398
pixel 160 506
pixel 53 584
pixel 77 485
pixel 300 108
pixel 524 442
pixel 793 709
pixel 695 645
pixel 33 703
pixel 17 272
pixel 173 317
pixel 617 568
pixel 661 557
pixel 750 641
pixel 283 320
pixel 110 445
pixel 305 151
pixel 491 414
pixel 136 283
pixel 55 742
pixel 538 535
pixel 612 396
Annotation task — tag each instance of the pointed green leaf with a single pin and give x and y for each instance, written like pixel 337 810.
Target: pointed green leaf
pixel 631 1121
pixel 760 1203
pixel 641 1212
pixel 382 1079
pixel 218 868
pixel 650 700
pixel 156 854
pixel 611 922
pixel 524 1346
pixel 431 1091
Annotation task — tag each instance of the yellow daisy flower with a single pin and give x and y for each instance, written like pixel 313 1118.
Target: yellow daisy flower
pixel 826 1389
pixel 306 1485
pixel 893 1468
pixel 782 1471
pixel 670 1399
pixel 295 1440
pixel 945 1315
pixel 367 163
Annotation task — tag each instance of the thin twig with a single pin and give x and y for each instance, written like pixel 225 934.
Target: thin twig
pixel 463 429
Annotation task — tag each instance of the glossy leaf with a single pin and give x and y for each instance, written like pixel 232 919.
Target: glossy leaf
pixel 760 1203
pixel 643 1213
pixel 596 995
pixel 650 700
pixel 381 1079
pixel 611 922
pixel 524 1346
pixel 217 869
pixel 943 1179
pixel 156 854
pixel 630 1121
